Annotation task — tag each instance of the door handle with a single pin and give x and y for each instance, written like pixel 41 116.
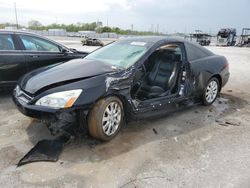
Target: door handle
pixel 34 56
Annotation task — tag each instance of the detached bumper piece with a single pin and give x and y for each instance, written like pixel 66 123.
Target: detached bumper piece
pixel 45 150
pixel 64 124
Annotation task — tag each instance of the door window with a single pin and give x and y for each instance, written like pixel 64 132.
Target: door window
pixel 36 44
pixel 6 42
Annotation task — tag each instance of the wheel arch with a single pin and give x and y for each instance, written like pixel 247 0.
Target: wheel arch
pixel 125 103
pixel 122 98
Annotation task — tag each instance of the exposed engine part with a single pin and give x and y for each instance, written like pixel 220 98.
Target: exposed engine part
pixel 64 122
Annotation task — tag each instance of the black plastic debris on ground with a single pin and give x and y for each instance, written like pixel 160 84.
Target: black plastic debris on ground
pixel 45 150
pixel 155 131
pixel 65 125
pixel 226 123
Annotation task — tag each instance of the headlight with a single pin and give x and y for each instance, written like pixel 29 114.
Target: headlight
pixel 63 99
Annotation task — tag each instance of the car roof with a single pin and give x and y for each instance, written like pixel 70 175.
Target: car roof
pixel 29 33
pixel 18 32
pixel 156 39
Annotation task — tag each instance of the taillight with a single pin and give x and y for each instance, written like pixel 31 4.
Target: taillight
pixel 226 65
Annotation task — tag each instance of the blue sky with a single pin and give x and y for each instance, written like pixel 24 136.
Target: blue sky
pixel 170 15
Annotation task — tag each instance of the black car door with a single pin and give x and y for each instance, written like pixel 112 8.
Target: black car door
pixel 40 52
pixel 12 60
pixel 170 101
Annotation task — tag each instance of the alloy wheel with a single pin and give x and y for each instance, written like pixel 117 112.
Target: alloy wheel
pixel 111 119
pixel 211 91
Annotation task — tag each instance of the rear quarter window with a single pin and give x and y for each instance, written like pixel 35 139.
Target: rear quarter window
pixel 195 53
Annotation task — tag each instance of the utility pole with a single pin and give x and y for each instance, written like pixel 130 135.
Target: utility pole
pixel 107 21
pixel 16 15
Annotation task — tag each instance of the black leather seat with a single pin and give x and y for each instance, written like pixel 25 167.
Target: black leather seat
pixel 162 77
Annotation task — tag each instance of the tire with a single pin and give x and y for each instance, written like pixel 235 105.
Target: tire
pixel 103 122
pixel 211 91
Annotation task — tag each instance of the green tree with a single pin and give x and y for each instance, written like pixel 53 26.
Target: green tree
pixel 34 24
pixel 106 29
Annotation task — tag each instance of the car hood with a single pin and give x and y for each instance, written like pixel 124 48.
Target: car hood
pixel 63 73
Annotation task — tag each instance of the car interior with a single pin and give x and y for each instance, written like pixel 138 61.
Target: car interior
pixel 36 44
pixel 6 43
pixel 160 74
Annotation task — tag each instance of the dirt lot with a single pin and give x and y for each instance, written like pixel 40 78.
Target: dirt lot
pixel 192 148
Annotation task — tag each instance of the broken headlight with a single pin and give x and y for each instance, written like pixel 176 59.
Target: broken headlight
pixel 64 99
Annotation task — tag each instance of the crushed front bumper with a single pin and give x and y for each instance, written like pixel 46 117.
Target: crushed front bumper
pixel 34 111
pixel 57 120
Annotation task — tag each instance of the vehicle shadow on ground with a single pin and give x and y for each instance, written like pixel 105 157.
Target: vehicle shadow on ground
pixel 136 134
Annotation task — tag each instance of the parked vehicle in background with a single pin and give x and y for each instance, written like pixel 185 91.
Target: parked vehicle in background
pixel 136 78
pixel 200 37
pixel 91 41
pixel 226 37
pixel 21 52
pixel 245 38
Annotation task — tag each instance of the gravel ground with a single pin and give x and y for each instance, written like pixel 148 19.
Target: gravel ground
pixel 197 147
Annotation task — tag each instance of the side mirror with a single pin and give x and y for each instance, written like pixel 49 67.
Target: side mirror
pixel 73 50
pixel 64 51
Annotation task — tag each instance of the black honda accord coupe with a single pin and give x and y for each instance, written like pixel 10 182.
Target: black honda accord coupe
pixel 22 52
pixel 126 80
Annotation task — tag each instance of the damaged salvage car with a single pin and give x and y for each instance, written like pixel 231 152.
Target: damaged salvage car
pixel 126 80
pixel 91 42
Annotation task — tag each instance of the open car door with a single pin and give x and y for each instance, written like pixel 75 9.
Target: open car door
pixel 159 85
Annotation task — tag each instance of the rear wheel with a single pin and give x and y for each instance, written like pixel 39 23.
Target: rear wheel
pixel 211 91
pixel 106 118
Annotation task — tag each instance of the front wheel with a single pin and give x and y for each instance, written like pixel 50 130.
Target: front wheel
pixel 211 91
pixel 106 118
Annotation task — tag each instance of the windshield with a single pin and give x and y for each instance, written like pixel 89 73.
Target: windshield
pixel 122 54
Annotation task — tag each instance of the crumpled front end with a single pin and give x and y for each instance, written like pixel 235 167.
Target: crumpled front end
pixel 58 121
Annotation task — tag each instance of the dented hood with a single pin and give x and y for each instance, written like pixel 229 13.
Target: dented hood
pixel 70 71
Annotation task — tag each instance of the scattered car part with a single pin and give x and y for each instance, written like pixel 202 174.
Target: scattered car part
pixel 144 76
pixel 226 37
pixel 227 122
pixel 91 41
pixel 22 52
pixel 45 150
pixel 66 126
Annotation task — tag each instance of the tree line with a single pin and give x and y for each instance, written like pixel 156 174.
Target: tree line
pixel 94 26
